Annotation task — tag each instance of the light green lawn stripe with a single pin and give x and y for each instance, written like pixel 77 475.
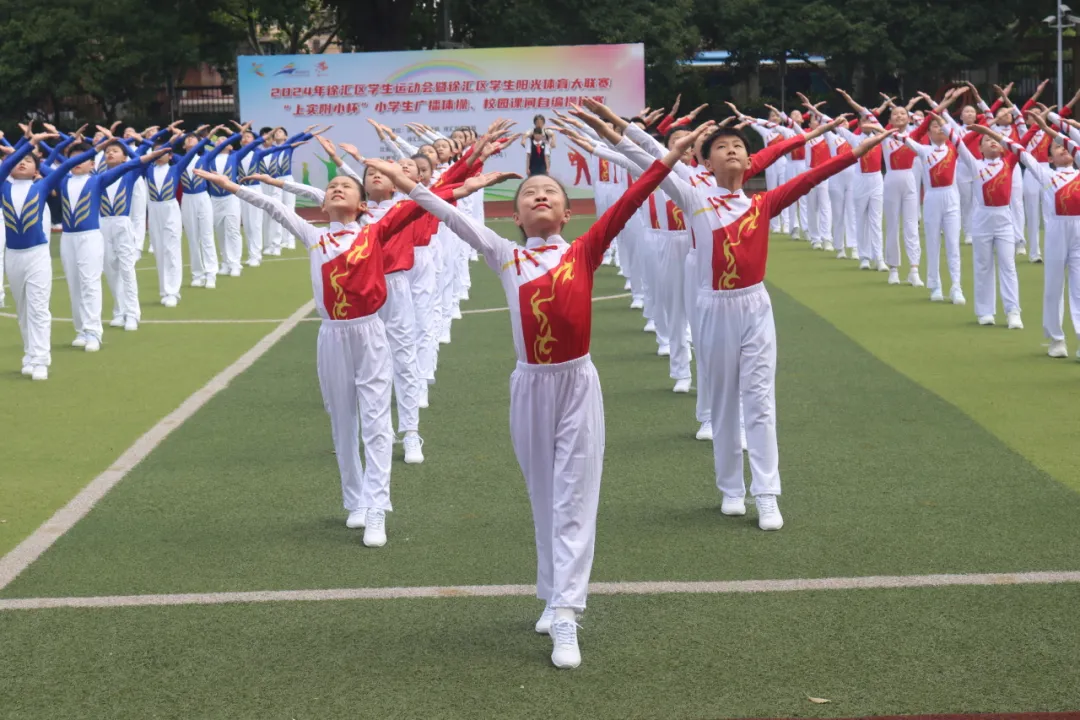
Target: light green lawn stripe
pixel 1002 379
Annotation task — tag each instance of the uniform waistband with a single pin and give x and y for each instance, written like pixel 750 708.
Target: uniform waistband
pixel 758 289
pixel 355 322
pixel 554 368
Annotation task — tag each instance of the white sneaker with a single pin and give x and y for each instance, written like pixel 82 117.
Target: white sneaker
pixel 131 324
pixel 830 248
pixel 815 245
pixel 444 339
pixel 1021 250
pixel 565 654
pixel 894 276
pixel 705 431
pixel 881 266
pixel 465 295
pixel 968 240
pixel 117 322
pixel 626 285
pixel 1014 320
pixel 254 263
pixel 1058 349
pixel 1037 259
pixel 664 351
pixel 198 282
pixel 742 438
pixel 937 296
pixel 169 301
pixel 39 372
pixel 423 404
pixel 956 296
pixel 682 385
pixel 375 528
pixel 92 344
pixel 842 254
pixel 913 278
pixel 79 341
pixel 456 315
pixel 543 625
pixel 768 511
pixel 733 506
pixel 357 519
pixel 986 319
pixel 211 283
pixel 27 370
pixel 637 304
pixel 413 453
pixel 649 327
pixel 235 272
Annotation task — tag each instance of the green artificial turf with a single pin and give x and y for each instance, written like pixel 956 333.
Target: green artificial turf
pixel 1001 378
pixel 668 657
pixel 60 434
pixel 881 477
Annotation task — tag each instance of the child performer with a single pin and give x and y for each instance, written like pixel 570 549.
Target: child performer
pixel 556 408
pixel 353 355
pixel 737 338
pixel 993 226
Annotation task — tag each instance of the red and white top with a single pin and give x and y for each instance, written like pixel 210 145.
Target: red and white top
pixel 548 283
pixel 732 230
pixel 992 190
pixel 939 162
pixel 1060 186
pixel 347 276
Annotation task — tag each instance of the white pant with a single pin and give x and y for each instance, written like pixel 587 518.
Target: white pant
pixel 901 199
pixel 820 209
pixel 984 250
pixel 139 199
pixel 775 176
pixel 271 230
pixel 841 191
pixel 702 409
pixel 251 219
pixel 197 213
pixel 798 211
pixel 672 248
pixel 1016 205
pixel 447 268
pixel 288 240
pixel 400 323
pixel 121 246
pixel 867 199
pixel 557 428
pixel 1062 261
pixel 965 188
pixel 423 283
pixel 941 215
pixel 353 358
pixel 3 244
pixel 1032 211
pixel 227 230
pixel 738 344
pixel 166 229
pixel 30 274
pixel 83 256
pixel 647 255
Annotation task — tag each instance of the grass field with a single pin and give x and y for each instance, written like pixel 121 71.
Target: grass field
pixel 913 444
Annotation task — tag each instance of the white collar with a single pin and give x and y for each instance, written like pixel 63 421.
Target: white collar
pixel 336 227
pixel 535 242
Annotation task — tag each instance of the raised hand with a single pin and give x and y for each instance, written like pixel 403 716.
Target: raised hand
pixel 694 113
pixel 258 178
pixel 869 144
pixel 687 141
pixel 218 179
pixel 485 180
pixel 351 149
pixel 327 145
pixel 107 132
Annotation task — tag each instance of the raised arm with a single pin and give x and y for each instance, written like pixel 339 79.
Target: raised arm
pixel 786 194
pixel 299 227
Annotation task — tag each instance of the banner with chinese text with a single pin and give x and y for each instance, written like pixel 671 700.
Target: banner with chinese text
pixel 445 89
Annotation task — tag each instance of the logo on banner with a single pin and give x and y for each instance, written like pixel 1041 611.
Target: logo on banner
pixel 291 70
pixel 257 69
pixel 322 68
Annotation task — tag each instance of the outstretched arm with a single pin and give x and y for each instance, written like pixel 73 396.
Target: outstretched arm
pixel 793 189
pixel 299 227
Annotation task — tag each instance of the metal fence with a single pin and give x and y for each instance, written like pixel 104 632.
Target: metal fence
pixel 204 100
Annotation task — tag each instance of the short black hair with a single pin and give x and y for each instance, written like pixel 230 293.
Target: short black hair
pixel 77 148
pixel 266 130
pixel 539 117
pixel 723 132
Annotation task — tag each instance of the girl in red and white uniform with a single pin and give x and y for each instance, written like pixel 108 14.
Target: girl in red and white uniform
pixel 1006 120
pixel 941 198
pixel 354 363
pixel 868 187
pixel 1060 183
pixel 797 164
pixel 556 407
pixel 993 227
pixel 901 201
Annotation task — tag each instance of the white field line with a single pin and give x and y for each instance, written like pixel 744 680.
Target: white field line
pixel 613 588
pixel 263 321
pixel 32 547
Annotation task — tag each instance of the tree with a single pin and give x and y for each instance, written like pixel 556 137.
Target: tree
pixel 296 26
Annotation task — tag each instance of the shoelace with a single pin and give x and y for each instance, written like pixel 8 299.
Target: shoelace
pixel 411 441
pixel 766 503
pixel 565 632
pixel 376 520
